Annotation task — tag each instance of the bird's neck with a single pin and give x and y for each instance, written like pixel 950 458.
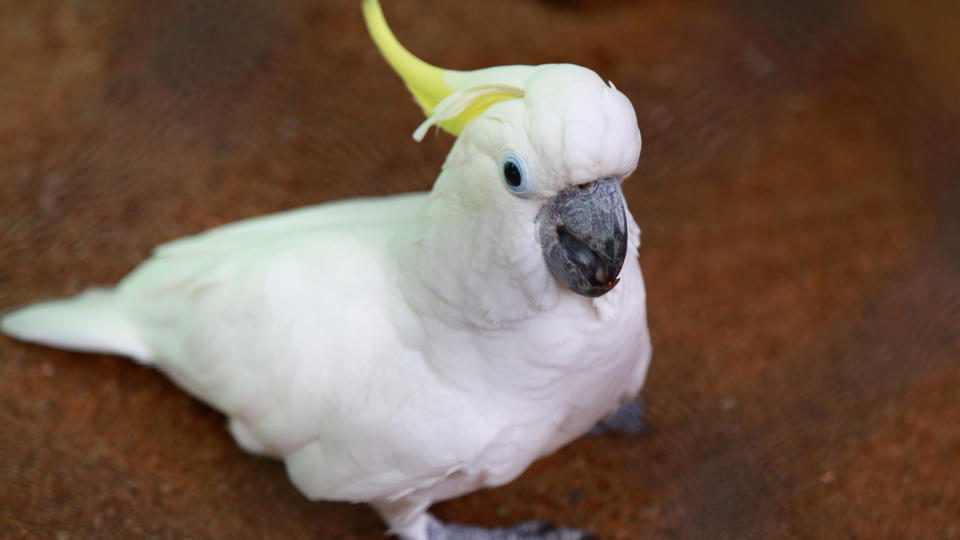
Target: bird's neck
pixel 464 266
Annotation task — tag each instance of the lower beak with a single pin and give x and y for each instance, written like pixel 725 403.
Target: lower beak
pixel 583 234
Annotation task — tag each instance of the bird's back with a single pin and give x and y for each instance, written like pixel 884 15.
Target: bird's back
pixel 242 299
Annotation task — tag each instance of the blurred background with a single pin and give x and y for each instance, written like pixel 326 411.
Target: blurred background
pixel 799 194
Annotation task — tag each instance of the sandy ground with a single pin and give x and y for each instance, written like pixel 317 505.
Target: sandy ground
pixel 799 194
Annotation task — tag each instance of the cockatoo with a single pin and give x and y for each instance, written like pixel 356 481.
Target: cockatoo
pixel 409 349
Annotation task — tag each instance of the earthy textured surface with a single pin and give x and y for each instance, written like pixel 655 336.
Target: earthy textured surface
pixel 799 194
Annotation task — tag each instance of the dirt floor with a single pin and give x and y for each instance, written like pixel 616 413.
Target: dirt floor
pixel 799 194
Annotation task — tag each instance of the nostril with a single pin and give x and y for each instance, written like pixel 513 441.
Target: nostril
pixel 587 187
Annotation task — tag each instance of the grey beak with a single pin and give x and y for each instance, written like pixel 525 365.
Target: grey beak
pixel 583 234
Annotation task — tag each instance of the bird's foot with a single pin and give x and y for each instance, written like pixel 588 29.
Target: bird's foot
pixel 628 420
pixel 530 530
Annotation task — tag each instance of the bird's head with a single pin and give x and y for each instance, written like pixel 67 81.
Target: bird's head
pixel 542 148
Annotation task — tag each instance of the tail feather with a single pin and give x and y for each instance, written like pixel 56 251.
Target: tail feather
pixel 89 322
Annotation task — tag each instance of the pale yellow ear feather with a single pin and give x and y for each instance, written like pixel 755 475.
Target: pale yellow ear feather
pixel 430 84
pixel 462 106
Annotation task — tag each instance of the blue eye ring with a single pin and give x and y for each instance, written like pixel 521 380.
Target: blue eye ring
pixel 516 175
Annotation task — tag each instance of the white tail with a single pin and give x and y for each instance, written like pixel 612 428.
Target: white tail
pixel 89 322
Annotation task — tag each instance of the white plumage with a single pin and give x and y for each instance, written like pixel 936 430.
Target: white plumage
pixel 405 349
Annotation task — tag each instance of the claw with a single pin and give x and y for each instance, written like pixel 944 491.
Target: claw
pixel 530 530
pixel 628 420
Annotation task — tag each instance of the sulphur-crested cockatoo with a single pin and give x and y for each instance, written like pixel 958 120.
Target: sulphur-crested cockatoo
pixel 409 349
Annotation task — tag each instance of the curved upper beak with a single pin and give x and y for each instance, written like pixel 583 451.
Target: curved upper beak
pixel 583 235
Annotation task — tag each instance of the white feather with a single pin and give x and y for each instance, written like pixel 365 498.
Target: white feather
pixel 89 322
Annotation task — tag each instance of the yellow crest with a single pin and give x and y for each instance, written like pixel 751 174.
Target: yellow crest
pixel 450 99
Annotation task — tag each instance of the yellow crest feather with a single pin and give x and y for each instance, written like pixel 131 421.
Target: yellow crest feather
pixel 431 85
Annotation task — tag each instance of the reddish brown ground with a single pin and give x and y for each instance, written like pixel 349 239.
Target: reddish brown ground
pixel 799 194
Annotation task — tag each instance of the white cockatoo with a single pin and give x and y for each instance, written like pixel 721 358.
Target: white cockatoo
pixel 408 349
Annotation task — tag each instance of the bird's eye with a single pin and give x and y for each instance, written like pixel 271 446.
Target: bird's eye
pixel 516 175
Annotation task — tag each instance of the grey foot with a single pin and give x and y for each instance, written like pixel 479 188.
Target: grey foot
pixel 628 420
pixel 530 530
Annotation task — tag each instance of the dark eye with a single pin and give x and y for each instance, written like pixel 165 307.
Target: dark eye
pixel 516 175
pixel 511 173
